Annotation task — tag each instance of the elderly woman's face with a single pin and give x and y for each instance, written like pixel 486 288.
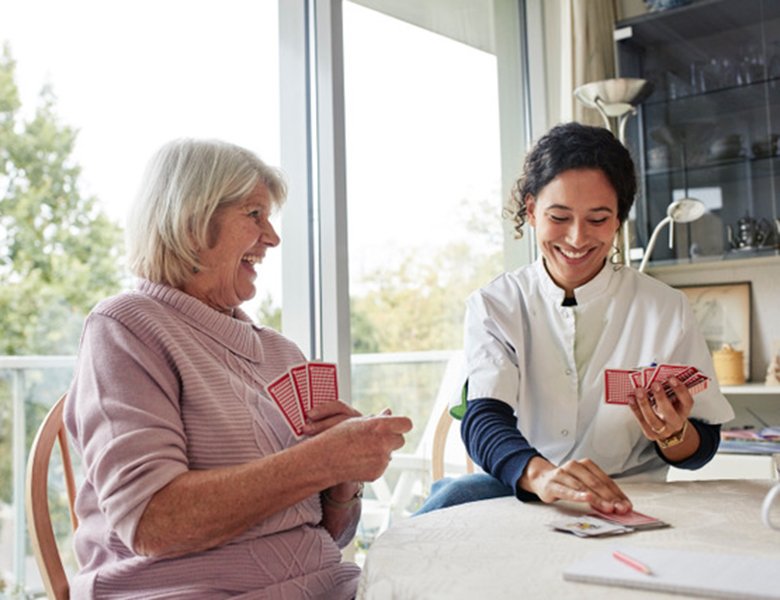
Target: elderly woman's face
pixel 575 217
pixel 239 236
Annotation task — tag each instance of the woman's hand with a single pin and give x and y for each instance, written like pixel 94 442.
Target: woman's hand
pixel 666 417
pixel 346 448
pixel 577 481
pixel 360 446
pixel 361 449
pixel 328 415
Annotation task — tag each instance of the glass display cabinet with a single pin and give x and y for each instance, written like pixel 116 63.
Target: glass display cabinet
pixel 710 129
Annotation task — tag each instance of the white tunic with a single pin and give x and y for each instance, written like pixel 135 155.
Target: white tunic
pixel 547 361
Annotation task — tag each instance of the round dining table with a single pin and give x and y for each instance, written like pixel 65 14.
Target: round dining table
pixel 502 548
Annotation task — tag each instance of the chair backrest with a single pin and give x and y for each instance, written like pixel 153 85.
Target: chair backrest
pixel 440 442
pixel 44 545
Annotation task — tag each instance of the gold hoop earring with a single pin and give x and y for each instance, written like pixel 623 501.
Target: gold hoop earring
pixel 614 255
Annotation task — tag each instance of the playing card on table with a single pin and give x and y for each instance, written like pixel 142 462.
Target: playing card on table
pixel 300 380
pixel 633 519
pixel 283 393
pixel 323 383
pixel 588 526
pixel 618 385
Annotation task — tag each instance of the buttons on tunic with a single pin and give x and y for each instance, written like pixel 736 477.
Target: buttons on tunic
pixel 564 432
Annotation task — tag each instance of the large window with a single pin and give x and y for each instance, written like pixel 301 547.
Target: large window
pixel 88 91
pixel 405 123
pixel 424 195
pixel 399 123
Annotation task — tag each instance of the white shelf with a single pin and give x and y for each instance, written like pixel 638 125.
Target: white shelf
pixel 753 389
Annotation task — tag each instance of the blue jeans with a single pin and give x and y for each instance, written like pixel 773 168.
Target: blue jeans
pixel 467 488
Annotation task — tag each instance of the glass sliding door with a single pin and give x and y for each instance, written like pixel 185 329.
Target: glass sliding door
pixel 423 195
pixel 403 129
pixel 424 198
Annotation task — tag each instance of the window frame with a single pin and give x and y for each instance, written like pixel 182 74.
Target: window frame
pixel 315 266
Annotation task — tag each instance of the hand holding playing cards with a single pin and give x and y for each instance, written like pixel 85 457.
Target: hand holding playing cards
pixel 327 415
pixel 576 481
pixel 663 417
pixel 361 446
pixel 661 398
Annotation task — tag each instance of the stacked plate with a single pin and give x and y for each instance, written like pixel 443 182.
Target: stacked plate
pixel 729 146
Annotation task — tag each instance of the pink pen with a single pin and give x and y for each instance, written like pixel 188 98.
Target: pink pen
pixel 632 562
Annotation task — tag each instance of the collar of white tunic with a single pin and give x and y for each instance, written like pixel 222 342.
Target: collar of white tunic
pixel 592 289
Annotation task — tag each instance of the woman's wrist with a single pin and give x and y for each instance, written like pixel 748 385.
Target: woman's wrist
pixel 676 438
pixel 338 502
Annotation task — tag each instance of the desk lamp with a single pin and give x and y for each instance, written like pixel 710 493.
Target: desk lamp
pixel 616 98
pixel 680 211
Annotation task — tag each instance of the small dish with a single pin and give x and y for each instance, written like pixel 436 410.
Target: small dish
pixel 765 147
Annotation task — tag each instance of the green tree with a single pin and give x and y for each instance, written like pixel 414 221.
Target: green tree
pixel 419 305
pixel 269 314
pixel 59 253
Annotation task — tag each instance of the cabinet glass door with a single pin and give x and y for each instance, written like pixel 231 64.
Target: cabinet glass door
pixel 711 128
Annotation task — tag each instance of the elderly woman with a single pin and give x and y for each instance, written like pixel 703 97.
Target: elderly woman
pixel 195 486
pixel 537 342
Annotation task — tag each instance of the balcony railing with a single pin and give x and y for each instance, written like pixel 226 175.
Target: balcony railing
pixel 416 384
pixel 29 385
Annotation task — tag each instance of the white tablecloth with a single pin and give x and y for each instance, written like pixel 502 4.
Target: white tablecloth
pixel 502 548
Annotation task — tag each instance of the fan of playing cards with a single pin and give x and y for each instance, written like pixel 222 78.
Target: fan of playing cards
pixel 619 384
pixel 302 388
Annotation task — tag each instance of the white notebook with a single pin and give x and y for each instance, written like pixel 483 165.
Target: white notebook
pixel 676 571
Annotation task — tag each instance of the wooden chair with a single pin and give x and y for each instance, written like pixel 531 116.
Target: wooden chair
pixel 440 442
pixel 44 545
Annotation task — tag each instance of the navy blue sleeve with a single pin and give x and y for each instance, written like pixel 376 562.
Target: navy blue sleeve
pixel 710 440
pixel 489 431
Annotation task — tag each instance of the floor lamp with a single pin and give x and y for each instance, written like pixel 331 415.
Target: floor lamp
pixel 680 211
pixel 618 99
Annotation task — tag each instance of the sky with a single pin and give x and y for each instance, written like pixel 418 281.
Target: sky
pixel 132 76
pixel 421 122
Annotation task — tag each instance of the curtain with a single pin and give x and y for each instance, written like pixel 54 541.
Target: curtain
pixel 593 49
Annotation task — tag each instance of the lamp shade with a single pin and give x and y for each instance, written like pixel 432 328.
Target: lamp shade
pixel 684 210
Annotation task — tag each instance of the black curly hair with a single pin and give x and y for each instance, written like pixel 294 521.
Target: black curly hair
pixel 573 146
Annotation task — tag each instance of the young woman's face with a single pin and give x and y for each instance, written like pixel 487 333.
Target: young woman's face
pixel 239 236
pixel 575 218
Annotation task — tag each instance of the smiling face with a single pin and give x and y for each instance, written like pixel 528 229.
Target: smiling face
pixel 575 218
pixel 239 235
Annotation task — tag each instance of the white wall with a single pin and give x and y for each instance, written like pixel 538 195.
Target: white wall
pixel 764 277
